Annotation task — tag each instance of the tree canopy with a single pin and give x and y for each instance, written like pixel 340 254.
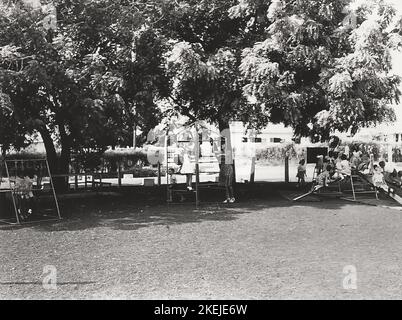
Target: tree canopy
pixel 82 85
pixel 324 65
pixel 204 59
pixel 109 66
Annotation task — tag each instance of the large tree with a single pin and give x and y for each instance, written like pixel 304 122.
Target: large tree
pixel 204 59
pixel 84 84
pixel 323 65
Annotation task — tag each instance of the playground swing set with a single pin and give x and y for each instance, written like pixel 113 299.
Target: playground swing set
pixel 172 160
pixel 27 193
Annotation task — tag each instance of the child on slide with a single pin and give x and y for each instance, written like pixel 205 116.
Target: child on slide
pixel 324 178
pixel 379 180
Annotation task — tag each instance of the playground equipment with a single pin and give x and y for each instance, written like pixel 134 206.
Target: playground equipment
pixel 332 190
pixel 206 150
pixel 27 192
pixel 359 187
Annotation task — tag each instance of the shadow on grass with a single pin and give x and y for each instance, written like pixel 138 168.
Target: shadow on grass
pixel 27 283
pixel 127 212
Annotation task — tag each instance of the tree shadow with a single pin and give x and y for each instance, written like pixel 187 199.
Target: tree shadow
pixel 129 220
pixel 126 212
pixel 25 283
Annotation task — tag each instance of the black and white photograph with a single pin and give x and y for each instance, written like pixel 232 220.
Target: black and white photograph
pixel 221 151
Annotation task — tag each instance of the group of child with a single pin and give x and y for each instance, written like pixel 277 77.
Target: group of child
pixel 332 169
pixel 336 167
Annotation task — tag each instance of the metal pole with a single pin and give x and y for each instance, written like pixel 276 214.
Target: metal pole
pixel 197 167
pixel 135 136
pixel 159 174
pixel 119 172
pixel 54 191
pixel 12 193
pixel 100 176
pixel 167 163
pixel 76 176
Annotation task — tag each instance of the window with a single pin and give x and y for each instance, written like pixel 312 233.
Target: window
pixel 244 139
pixel 257 140
pixel 397 137
pixel 275 140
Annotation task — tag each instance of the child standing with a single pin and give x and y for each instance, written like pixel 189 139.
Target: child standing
pixel 301 173
pixel 229 176
pixel 172 181
pixel 188 169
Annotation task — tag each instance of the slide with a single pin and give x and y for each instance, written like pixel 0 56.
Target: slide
pixel 397 196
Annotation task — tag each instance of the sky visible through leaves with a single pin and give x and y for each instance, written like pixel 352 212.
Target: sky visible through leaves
pixel 397 60
pixel 397 57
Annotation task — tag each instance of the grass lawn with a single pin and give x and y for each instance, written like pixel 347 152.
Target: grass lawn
pixel 112 248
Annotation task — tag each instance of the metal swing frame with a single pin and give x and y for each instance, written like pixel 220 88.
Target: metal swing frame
pixel 12 190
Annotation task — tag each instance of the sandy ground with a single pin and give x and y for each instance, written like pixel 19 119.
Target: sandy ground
pixel 269 249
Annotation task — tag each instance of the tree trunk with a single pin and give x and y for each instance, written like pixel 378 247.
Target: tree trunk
pixel 57 164
pixel 50 149
pixel 64 160
pixel 224 129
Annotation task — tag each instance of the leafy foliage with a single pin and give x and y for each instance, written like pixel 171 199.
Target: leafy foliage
pixel 84 85
pixel 323 65
pixel 110 66
pixel 204 60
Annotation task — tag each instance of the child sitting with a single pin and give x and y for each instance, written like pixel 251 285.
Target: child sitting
pixel 394 178
pixel 355 160
pixel 324 177
pixel 379 180
pixel 364 166
pixel 331 160
pixel 25 196
pixel 399 179
pixel 338 165
pixel 343 167
pixel 382 166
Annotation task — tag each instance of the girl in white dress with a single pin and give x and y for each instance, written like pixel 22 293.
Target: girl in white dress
pixel 188 169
